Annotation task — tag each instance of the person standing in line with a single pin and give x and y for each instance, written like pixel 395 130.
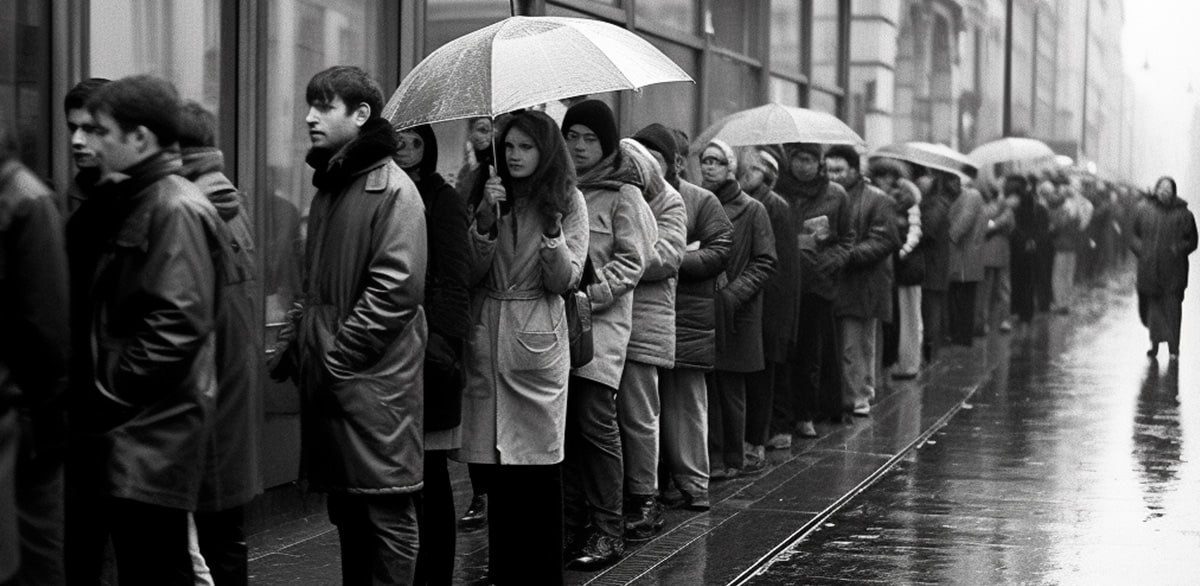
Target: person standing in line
pixel 1070 214
pixel 903 337
pixel 935 228
pixel 478 158
pixel 622 234
pixel 231 475
pixel 79 120
pixel 820 210
pixel 758 172
pixel 34 345
pixel 143 246
pixel 865 293
pixel 356 343
pixel 1163 234
pixel 965 266
pixel 682 389
pixel 1030 227
pixel 527 243
pixel 1047 197
pixel 992 302
pixel 447 309
pixel 738 310
pixel 651 347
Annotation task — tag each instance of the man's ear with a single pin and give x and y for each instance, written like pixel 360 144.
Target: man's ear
pixel 361 114
pixel 143 139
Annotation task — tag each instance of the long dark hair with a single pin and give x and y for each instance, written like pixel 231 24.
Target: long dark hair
pixel 550 184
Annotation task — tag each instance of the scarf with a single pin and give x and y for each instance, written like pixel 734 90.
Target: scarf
pixel 333 171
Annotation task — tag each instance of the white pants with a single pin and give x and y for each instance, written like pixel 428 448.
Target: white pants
pixel 858 362
pixel 912 330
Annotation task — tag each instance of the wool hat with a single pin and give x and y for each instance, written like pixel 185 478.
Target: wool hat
pixel 730 156
pixel 811 148
pixel 769 160
pixel 598 118
pixel 657 137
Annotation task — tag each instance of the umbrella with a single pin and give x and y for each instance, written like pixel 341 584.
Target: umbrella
pixel 1012 149
pixel 778 124
pixel 934 156
pixel 524 61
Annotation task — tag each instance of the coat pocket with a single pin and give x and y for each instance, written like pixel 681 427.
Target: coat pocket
pixel 535 350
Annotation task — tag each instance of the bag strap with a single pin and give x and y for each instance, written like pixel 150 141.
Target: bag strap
pixel 587 277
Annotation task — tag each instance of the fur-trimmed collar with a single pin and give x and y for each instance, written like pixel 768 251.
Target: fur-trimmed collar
pixel 376 140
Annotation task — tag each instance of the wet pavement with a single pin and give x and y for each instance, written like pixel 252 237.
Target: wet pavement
pixel 1054 454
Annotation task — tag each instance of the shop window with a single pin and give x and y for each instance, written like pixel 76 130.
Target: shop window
pixel 826 43
pixel 785 91
pixel 24 85
pixel 177 40
pixel 736 87
pixel 736 25
pixel 680 15
pixel 823 101
pixel 786 30
pixel 304 38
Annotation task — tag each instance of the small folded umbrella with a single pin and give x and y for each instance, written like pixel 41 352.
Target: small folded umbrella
pixel 778 124
pixel 934 156
pixel 524 61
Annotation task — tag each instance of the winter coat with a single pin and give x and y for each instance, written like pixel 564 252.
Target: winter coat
pixel 621 238
pixel 518 357
pixel 34 339
pixel 781 295
pixel 866 287
pixel 823 257
pixel 710 240
pixel 360 338
pixel 967 226
pixel 1031 230
pixel 447 295
pixel 1000 221
pixel 652 340
pixel 751 265
pixel 1069 220
pixel 231 471
pixel 143 393
pixel 935 241
pixel 1163 235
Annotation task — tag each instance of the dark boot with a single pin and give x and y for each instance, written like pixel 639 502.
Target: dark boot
pixel 599 552
pixel 476 516
pixel 643 517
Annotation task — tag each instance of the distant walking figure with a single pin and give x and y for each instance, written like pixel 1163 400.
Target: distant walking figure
pixel 1164 234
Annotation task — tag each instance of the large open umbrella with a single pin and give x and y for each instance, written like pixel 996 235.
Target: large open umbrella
pixel 1012 153
pixel 524 61
pixel 778 124
pixel 934 156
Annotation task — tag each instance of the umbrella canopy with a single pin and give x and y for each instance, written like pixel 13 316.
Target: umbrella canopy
pixel 778 124
pixel 523 61
pixel 1012 149
pixel 934 156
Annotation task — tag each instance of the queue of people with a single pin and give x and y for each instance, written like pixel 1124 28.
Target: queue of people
pixel 729 315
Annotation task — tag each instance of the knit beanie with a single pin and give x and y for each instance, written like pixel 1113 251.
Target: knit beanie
pixel 730 156
pixel 657 137
pixel 598 118
pixel 769 160
pixel 811 148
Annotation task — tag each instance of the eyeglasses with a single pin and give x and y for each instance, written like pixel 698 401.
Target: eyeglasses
pixel 714 161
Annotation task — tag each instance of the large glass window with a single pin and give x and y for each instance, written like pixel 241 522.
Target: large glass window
pixel 826 45
pixel 178 40
pixel 785 91
pixel 304 37
pixel 677 14
pixel 736 25
pixel 671 104
pixel 24 85
pixel 734 87
pixel 786 48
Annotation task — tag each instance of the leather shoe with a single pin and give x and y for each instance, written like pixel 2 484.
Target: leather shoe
pixel 600 551
pixel 476 516
pixel 643 517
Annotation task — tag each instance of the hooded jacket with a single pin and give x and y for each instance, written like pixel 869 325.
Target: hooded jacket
pixel 359 344
pixel 621 238
pixel 652 340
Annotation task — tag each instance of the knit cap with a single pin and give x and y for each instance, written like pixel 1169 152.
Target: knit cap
pixel 729 154
pixel 657 137
pixel 811 148
pixel 598 118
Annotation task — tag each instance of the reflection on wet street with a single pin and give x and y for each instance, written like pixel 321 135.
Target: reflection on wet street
pixel 1077 463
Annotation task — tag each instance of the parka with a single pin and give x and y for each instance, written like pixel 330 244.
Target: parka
pixel 1162 237
pixel 143 394
pixel 751 263
pixel 821 263
pixel 935 240
pixel 231 470
pixel 967 226
pixel 518 356
pixel 621 237
pixel 781 295
pixel 652 340
pixel 866 286
pixel 709 243
pixel 360 336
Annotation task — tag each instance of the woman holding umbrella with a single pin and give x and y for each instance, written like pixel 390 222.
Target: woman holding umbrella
pixel 527 243
pixel 1164 234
